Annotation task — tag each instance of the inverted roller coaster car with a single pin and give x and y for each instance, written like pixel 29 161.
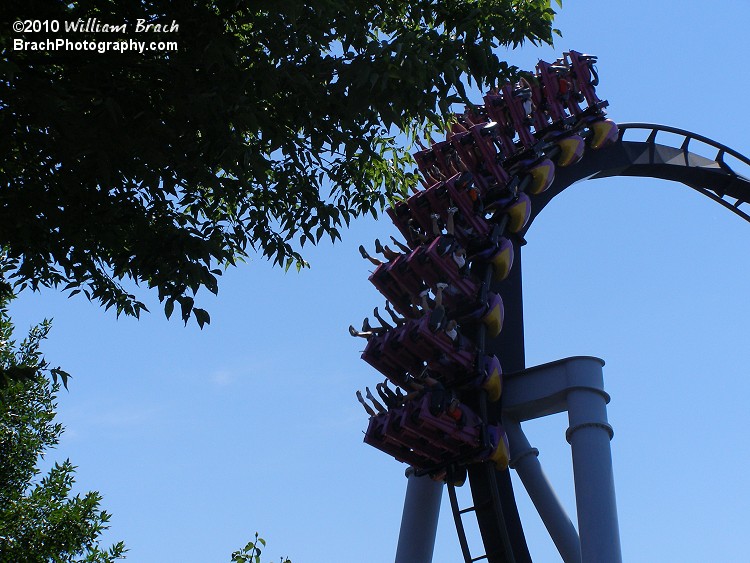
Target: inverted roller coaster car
pixel 490 313
pixel 585 79
pixel 386 364
pixel 384 281
pixel 428 434
pixel 439 262
pixel 395 444
pixel 519 106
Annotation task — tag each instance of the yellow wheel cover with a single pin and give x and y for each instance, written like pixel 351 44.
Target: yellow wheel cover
pixel 501 264
pixel 493 386
pixel 605 133
pixel 542 176
pixel 494 321
pixel 501 456
pixel 572 150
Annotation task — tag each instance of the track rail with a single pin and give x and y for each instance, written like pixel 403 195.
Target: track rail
pixel 712 177
pixel 491 490
pixel 720 188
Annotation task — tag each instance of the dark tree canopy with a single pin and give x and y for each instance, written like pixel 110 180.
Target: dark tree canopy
pixel 271 126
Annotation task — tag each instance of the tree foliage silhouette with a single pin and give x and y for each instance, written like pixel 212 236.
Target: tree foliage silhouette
pixel 271 126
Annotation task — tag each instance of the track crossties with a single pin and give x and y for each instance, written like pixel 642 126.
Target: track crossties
pixel 714 176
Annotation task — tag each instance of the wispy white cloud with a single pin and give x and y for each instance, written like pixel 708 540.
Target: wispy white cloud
pixel 127 416
pixel 223 378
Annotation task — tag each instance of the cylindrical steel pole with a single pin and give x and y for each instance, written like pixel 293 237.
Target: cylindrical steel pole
pixel 416 540
pixel 589 435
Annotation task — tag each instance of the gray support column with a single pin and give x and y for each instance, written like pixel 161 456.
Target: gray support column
pixel 576 385
pixel 589 435
pixel 416 540
pixel 556 520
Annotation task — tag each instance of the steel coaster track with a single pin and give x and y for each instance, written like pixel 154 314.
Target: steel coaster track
pixel 733 185
pixel 713 178
pixel 488 510
pixel 494 504
pixel 488 505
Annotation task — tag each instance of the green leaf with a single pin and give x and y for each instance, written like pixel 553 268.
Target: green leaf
pixel 202 317
pixel 169 307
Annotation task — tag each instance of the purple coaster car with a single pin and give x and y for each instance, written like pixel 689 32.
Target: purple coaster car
pixel 436 264
pixel 497 111
pixel 513 99
pixel 401 217
pixel 427 434
pixel 378 436
pixel 385 282
pixel 556 90
pixel 419 207
pixel 390 366
pixel 415 435
pixel 437 349
pixel 585 80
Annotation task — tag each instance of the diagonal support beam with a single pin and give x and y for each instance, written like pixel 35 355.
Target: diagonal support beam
pixel 526 463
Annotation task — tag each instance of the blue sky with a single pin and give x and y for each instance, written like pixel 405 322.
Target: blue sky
pixel 197 439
